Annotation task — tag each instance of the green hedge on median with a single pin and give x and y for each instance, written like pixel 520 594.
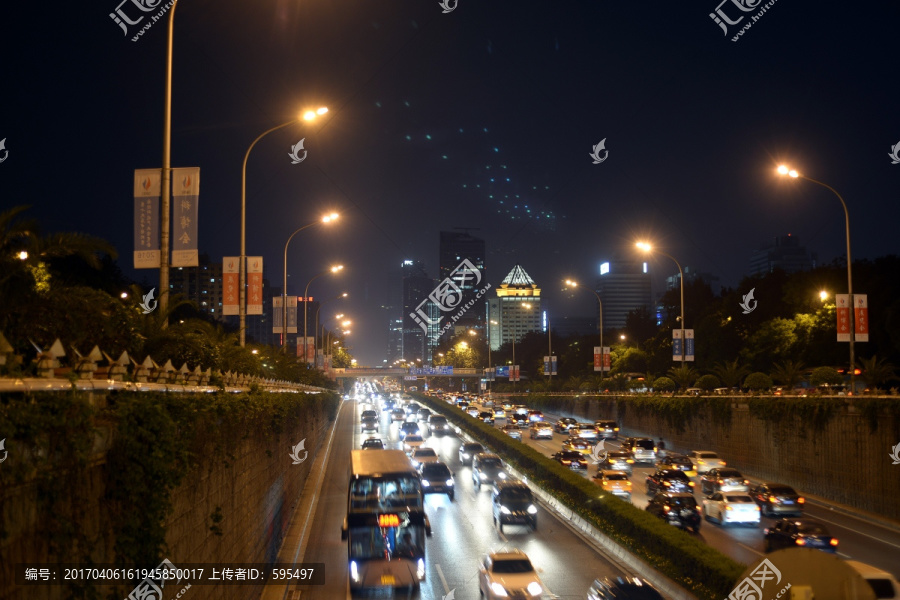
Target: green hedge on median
pixel 703 571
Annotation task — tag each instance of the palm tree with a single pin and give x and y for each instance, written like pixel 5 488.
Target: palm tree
pixel 876 371
pixel 788 373
pixel 730 373
pixel 683 375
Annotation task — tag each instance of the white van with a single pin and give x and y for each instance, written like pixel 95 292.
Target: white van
pixel 883 583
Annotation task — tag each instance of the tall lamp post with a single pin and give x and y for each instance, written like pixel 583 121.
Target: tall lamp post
pixel 574 284
pixel 793 173
pixel 316 323
pixel 334 269
pixel 648 248
pixel 326 219
pixel 242 303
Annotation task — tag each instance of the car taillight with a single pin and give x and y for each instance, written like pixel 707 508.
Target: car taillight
pixel 801 500
pixel 627 484
pixel 723 463
pixel 667 508
pixel 615 429
pixel 729 508
pixel 691 483
pixel 630 461
pixel 666 483
pixel 833 542
pixel 773 499
pixel 800 541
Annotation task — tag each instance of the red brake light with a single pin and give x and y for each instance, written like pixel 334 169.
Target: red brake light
pixel 833 542
pixel 801 500
pixel 691 483
pixel 801 542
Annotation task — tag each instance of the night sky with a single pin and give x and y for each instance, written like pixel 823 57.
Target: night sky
pixel 481 118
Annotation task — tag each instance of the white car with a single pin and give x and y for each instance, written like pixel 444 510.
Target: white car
pixel 882 583
pixel 411 442
pixel 704 460
pixel 727 508
pixel 422 455
pixel 509 574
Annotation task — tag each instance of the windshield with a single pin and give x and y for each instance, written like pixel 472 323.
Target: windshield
pixel 516 497
pixel 709 455
pixel 812 529
pixel 645 444
pixel 616 477
pixel 388 543
pixel 437 420
pixel 378 493
pixel 423 452
pixel 785 491
pixel 518 565
pixel 738 499
pixel 435 471
pixel 681 502
pixel 491 463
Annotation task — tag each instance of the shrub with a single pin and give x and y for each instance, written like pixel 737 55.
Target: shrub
pixel 758 381
pixel 663 384
pixel 825 376
pixel 708 383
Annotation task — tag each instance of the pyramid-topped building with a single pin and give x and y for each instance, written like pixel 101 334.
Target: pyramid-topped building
pixel 516 310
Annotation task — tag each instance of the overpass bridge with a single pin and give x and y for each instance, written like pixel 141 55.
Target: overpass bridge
pixel 448 372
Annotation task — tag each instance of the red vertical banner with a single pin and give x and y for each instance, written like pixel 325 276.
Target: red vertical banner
pixel 230 285
pixel 861 317
pixel 598 359
pixel 843 317
pixel 514 373
pixel 607 358
pixel 254 285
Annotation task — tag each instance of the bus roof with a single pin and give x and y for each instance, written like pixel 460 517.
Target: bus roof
pixel 366 463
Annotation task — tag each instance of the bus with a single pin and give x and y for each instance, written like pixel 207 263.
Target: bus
pixel 386 524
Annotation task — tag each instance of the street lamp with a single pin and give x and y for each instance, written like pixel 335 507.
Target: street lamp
pixel 326 219
pixel 823 295
pixel 526 306
pixel 242 307
pixel 647 248
pixel 333 269
pixel 574 284
pixel 316 326
pixel 785 170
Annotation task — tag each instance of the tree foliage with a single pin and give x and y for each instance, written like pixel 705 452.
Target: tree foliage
pixel 758 381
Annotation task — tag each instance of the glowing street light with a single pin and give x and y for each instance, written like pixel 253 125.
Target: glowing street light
pixel 333 269
pixel 574 284
pixel 648 248
pixel 823 295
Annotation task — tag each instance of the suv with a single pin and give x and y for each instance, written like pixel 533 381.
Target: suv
pixel 723 480
pixel 677 509
pixel 643 449
pixel 487 468
pixel 369 424
pixel 438 424
pixel 882 583
pixel 609 430
pixel 437 479
pixel 513 504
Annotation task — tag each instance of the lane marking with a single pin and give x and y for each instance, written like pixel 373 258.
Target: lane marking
pixel 857 531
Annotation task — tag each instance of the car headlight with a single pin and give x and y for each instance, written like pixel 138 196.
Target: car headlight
pixel 425 483
pixel 534 588
pixel 449 482
pixel 464 455
pixel 420 568
pixel 482 475
pixel 501 475
pixel 532 509
pixel 505 510
pixel 498 590
pixel 354 571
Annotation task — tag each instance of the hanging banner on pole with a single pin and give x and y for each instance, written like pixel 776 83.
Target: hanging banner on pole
pixel 689 344
pixel 146 218
pixel 602 358
pixel 514 373
pixel 185 196
pixel 861 317
pixel 553 365
pixel 292 314
pixel 843 317
pixel 254 285
pixel 676 345
pixel 230 285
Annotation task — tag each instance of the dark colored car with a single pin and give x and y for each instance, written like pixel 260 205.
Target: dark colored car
pixel 412 408
pixel 486 416
pixel 608 430
pixel 535 415
pixel 678 509
pixel 373 444
pixel 520 419
pixel 618 460
pixel 669 480
pixel 410 427
pixel 487 468
pixel 437 424
pixel 777 498
pixel 724 479
pixel 678 462
pixel 571 459
pixel 623 588
pixel 513 504
pixel 437 479
pixel 799 533
pixel 462 405
pixel 369 424
pixel 467 452
pixel 564 424
pixel 388 404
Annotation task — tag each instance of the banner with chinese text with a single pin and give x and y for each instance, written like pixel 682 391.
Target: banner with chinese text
pixel 185 199
pixel 861 317
pixel 230 285
pixel 146 218
pixel 254 285
pixel 842 301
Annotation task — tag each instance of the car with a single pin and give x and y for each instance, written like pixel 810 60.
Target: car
pixel 398 414
pixel 487 403
pixel 614 482
pixel 519 418
pixel 412 441
pixel 584 430
pixel 617 460
pixel 423 455
pixel 388 404
pixel 623 588
pixel 802 533
pixel 728 508
pixel 563 425
pixel 437 424
pixel 373 444
pixel 369 413
pixel 723 480
pixel 412 408
pixel 369 424
pixel 423 414
pixel 570 459
pixel 486 416
pixel 777 498
pixel 512 503
pixel 540 430
pixel 521 409
pixel 678 509
pixel 643 449
pixel 409 427
pixel 882 583
pixel 472 411
pixel 678 462
pixel 669 480
pixel 437 479
pixel 487 468
pixel 507 405
pixel 704 460
pixel 462 405
pixel 509 574
pixel 535 416
pixel 576 444
pixel 512 430
pixel 609 430
pixel 468 450
pixel 499 413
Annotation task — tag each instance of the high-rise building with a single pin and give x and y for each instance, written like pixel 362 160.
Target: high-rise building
pixel 623 286
pixel 783 253
pixel 515 311
pixel 456 247
pixel 673 281
pixel 417 285
pixel 202 285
